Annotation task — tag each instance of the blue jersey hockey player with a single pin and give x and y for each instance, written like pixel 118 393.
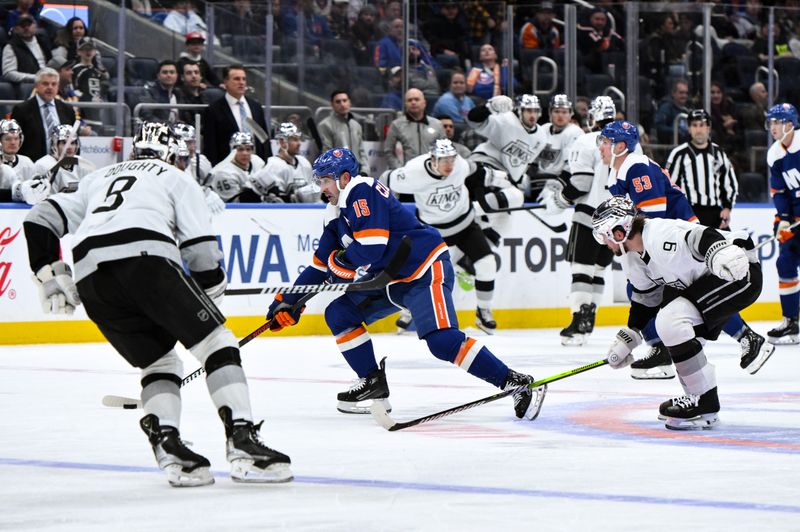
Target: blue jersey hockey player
pixel 364 225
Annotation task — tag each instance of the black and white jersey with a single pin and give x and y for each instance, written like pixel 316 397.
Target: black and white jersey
pixel 66 178
pixel 705 175
pixel 442 202
pixel 553 157
pixel 510 146
pixel 199 168
pixel 283 177
pixel 130 209
pixel 21 164
pixel 230 180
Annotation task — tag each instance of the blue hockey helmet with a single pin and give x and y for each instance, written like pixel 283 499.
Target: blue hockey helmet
pixel 620 131
pixel 334 162
pixel 782 112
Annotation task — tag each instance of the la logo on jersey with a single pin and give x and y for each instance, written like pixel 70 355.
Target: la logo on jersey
pixel 6 238
pixel 518 152
pixel 445 198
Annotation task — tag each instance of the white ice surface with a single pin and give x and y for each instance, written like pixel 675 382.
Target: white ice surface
pixel 596 459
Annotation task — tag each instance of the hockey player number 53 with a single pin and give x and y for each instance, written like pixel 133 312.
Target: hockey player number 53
pixel 114 193
pixel 641 183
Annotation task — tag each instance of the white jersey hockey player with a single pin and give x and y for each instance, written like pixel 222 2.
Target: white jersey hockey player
pixel 182 161
pixel 440 183
pixel 134 226
pixel 11 139
pixel 63 143
pixel 231 178
pixel 287 175
pixel 559 134
pixel 198 166
pixel 692 279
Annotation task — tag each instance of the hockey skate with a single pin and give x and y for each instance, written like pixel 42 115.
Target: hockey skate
pixel 404 322
pixel 527 402
pixel 251 460
pixel 184 467
pixel 484 320
pixel 755 351
pixel 581 326
pixel 372 387
pixel 786 333
pixel 690 412
pixel 656 365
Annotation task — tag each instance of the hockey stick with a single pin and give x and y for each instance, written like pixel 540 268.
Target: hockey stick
pixel 560 228
pixel 383 419
pixel 774 237
pixel 512 209
pixel 390 272
pixel 260 134
pixel 312 128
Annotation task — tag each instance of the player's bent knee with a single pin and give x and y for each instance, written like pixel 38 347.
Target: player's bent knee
pixel 217 340
pixel 168 367
pixel 485 267
pixel 227 356
pixel 445 343
pixel 674 323
pixel 683 352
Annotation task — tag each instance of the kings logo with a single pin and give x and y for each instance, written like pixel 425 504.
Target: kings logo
pixel 518 152
pixel 446 198
pixel 6 238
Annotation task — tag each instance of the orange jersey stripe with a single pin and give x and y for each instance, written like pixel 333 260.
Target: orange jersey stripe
pixel 355 333
pixel 422 267
pixel 370 232
pixel 788 284
pixel 439 304
pixel 462 353
pixel 652 202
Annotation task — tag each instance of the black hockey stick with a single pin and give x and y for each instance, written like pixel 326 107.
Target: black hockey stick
pixel 512 209
pixel 560 228
pixel 312 128
pixel 382 416
pixel 260 134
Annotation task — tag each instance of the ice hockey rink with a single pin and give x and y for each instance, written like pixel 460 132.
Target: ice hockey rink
pixel 596 459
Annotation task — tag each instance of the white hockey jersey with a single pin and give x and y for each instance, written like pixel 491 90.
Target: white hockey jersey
pixel 229 180
pixel 553 156
pixel 510 146
pixel 291 182
pixel 22 165
pixel 442 202
pixel 199 168
pixel 66 179
pixel 129 209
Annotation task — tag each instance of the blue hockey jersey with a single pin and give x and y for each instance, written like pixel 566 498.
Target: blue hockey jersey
pixel 784 178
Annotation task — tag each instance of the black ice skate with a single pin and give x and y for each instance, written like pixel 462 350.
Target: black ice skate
pixel 786 333
pixel 755 351
pixel 404 321
pixel 527 402
pixel 373 387
pixel 690 412
pixel 484 320
pixel 582 325
pixel 184 467
pixel 251 460
pixel 656 365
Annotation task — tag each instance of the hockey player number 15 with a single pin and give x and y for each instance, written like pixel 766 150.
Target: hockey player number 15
pixel 114 193
pixel 641 183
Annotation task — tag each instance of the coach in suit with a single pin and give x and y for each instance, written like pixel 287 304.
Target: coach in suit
pixel 39 114
pixel 227 115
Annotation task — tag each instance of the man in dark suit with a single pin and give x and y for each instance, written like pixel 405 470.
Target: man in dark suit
pixel 38 115
pixel 227 115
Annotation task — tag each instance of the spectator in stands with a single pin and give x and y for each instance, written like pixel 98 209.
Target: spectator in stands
pixel 455 103
pixel 422 70
pixel 191 88
pixel 662 49
pixel 394 85
pixel 671 108
pixel 392 11
pixel 480 19
pixel 316 26
pixel 388 51
pixel 753 116
pixel 596 38
pixel 363 34
pixel 228 115
pixel 242 18
pixel 341 129
pixel 162 90
pixel 66 91
pixel 339 21
pixel 67 39
pixel 414 131
pixel 26 53
pixel 195 44
pixel 761 43
pixel 581 115
pixel 540 33
pixel 30 8
pixel 445 32
pixel 322 8
pixel 723 119
pixel 38 115
pixel 183 19
pixel 90 79
pixel 748 20
pixel 450 133
pixel 142 7
pixel 488 78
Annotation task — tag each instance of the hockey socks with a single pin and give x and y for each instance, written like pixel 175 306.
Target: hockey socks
pixel 356 347
pixel 470 355
pixel 734 327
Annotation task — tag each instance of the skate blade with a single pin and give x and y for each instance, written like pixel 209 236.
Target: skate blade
pixel 536 403
pixel 178 478
pixel 658 372
pixel 485 329
pixel 574 340
pixel 763 355
pixel 361 407
pixel 784 340
pixel 245 471
pixel 701 422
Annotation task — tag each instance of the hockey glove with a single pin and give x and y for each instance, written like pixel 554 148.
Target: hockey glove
pixel 552 197
pixel 214 202
pixel 500 104
pixel 727 261
pixel 35 190
pixel 620 353
pixel 282 315
pixel 339 269
pixel 57 291
pixel 782 231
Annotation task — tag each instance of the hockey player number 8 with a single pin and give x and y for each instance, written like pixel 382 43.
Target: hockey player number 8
pixel 115 190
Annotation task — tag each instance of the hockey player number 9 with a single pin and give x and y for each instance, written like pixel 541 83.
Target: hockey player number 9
pixel 115 190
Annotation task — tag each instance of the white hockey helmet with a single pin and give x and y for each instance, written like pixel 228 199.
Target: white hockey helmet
pixel 443 148
pixel 184 131
pixel 617 212
pixel 241 138
pixel 9 125
pixel 528 101
pixel 288 130
pixel 62 133
pixel 155 140
pixel 602 109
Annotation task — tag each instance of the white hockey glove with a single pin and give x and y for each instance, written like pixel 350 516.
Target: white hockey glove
pixel 57 291
pixel 214 202
pixel 496 178
pixel 217 292
pixel 35 190
pixel 500 104
pixel 552 197
pixel 727 261
pixel 620 353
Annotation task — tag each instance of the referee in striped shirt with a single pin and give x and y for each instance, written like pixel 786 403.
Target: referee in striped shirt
pixel 704 172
